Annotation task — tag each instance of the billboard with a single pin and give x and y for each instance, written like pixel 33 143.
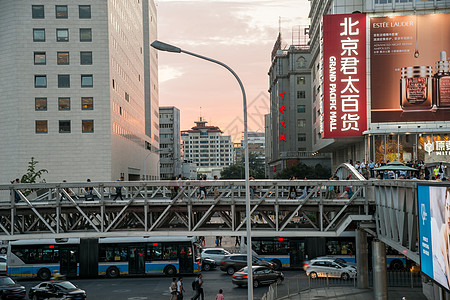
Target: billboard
pixel 434 232
pixel 409 68
pixel 344 75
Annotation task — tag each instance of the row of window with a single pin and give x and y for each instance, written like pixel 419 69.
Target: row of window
pixel 40 81
pixel 87 126
pixel 62 58
pixel 61 11
pixel 62 35
pixel 87 103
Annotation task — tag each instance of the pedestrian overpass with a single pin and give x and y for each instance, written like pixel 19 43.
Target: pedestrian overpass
pixel 386 209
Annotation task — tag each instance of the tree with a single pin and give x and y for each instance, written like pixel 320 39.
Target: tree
pixel 301 171
pixel 237 171
pixel 32 175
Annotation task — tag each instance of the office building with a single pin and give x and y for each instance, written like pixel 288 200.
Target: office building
pixel 208 148
pixel 169 142
pixel 79 89
pixel 289 124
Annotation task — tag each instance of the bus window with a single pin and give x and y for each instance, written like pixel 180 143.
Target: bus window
pixel 170 252
pixel 111 253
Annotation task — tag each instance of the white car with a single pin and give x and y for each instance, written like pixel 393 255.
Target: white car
pixel 216 254
pixel 3 265
pixel 327 268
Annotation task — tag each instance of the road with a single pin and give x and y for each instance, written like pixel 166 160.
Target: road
pixel 157 287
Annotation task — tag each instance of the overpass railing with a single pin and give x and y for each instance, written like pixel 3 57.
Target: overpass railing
pixel 278 207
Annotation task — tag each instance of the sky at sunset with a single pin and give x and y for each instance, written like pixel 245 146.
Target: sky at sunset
pixel 238 33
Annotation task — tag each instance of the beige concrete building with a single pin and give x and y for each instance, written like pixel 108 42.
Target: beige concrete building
pixel 79 89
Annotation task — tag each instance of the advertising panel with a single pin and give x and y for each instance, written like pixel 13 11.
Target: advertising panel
pixel 344 75
pixel 410 79
pixel 434 232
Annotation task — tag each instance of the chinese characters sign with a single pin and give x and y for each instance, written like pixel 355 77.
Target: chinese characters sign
pixel 282 123
pixel 344 69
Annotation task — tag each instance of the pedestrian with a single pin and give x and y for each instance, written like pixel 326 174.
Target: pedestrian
pixel 220 241
pixel 202 193
pixel 216 189
pixel 173 289
pixel 217 241
pixel 119 190
pixel 237 242
pixel 220 295
pixel 198 287
pixel 89 195
pixel 180 288
pixel 16 194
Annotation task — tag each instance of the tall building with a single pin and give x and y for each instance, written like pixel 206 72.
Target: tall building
pixel 79 89
pixel 256 146
pixel 290 120
pixel 169 142
pixel 207 147
pixel 404 41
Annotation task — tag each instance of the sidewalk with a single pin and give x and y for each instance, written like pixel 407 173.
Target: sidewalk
pixel 348 293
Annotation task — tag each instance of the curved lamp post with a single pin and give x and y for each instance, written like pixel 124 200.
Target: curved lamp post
pixel 169 48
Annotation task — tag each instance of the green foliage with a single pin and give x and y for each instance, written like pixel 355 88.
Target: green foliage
pixel 301 171
pixel 237 171
pixel 32 175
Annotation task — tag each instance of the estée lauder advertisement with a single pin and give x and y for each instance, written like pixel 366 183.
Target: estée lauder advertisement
pixel 410 68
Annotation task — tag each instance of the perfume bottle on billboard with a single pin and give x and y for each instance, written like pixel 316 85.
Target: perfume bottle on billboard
pixel 442 82
pixel 416 88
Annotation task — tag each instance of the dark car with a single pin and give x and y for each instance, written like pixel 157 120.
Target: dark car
pixel 56 289
pixel 261 275
pixel 208 264
pixel 232 263
pixel 10 289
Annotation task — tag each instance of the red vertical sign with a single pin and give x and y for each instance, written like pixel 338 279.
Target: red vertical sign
pixel 344 75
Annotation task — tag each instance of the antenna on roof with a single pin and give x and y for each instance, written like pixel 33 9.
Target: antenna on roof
pixel 201 113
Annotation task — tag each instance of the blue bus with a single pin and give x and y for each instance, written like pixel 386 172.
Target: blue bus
pixel 292 252
pixel 111 257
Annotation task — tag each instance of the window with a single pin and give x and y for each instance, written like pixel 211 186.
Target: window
pixel 63 103
pixel 85 35
pixel 301 80
pixel 64 126
pixel 64 81
pixel 301 137
pixel 37 11
pixel 62 35
pixel 84 11
pixel 40 103
pixel 87 126
pixel 38 35
pixel 40 81
pixel 87 103
pixel 39 58
pixel 87 81
pixel 86 58
pixel 301 94
pixel 61 11
pixel 41 127
pixel 63 58
pixel 301 123
pixel 301 108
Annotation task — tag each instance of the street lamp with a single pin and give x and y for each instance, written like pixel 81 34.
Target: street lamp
pixel 169 48
pixel 145 160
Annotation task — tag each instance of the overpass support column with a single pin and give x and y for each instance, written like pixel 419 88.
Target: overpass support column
pixel 379 271
pixel 362 259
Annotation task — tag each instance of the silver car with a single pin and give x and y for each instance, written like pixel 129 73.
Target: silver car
pixel 216 254
pixel 327 268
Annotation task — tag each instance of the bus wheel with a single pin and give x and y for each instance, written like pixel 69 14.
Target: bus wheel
pixel 396 265
pixel 44 274
pixel 170 270
pixel 112 272
pixel 313 275
pixel 277 263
